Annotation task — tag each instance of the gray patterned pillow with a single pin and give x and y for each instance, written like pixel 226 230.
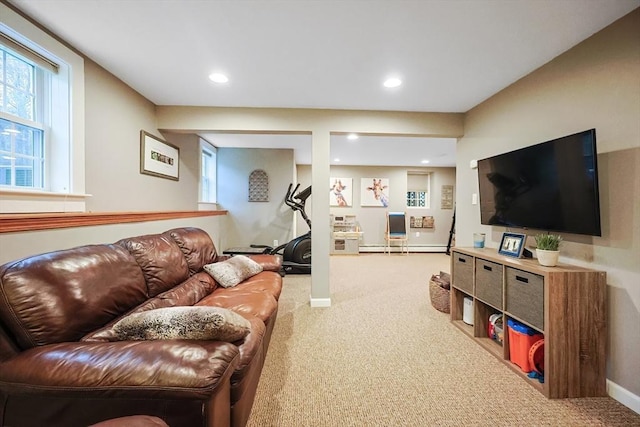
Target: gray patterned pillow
pixel 189 323
pixel 233 271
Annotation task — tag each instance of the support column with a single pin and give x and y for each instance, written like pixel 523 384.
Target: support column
pixel 320 171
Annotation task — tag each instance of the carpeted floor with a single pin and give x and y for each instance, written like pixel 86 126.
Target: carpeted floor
pixel 381 355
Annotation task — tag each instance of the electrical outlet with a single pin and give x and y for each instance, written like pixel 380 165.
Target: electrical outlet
pixel 275 243
pixel 417 234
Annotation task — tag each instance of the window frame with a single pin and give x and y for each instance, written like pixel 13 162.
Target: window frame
pixel 64 150
pixel 39 82
pixel 207 150
pixel 416 189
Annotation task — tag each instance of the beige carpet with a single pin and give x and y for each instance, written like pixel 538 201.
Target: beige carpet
pixel 381 355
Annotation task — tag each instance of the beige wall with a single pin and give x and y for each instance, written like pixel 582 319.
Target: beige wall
pixel 19 245
pixel 372 220
pixel 594 85
pixel 254 222
pixel 114 116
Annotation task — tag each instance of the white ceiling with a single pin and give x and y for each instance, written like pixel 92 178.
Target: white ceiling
pixel 368 150
pixel 451 55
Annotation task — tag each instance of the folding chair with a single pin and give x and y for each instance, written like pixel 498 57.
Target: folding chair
pixel 397 231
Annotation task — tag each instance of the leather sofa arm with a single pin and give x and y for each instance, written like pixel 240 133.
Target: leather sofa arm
pixel 142 369
pixel 268 262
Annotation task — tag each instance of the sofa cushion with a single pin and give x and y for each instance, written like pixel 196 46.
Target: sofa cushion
pixel 161 260
pixel 187 293
pixel 61 296
pixel 196 246
pixel 233 271
pixel 247 303
pixel 193 323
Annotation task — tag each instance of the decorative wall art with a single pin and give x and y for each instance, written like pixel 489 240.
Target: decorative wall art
pixel 258 186
pixel 374 192
pixel 341 192
pixel 421 222
pixel 446 201
pixel 158 157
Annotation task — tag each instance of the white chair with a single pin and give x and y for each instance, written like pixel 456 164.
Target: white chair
pixel 397 231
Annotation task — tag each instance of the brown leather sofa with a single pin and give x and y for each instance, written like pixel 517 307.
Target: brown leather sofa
pixel 58 369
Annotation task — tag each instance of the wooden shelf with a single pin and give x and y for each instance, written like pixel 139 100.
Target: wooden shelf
pixel 467 329
pixel 565 303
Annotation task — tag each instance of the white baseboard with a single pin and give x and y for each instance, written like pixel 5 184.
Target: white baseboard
pixel 412 249
pixel 623 396
pixel 319 302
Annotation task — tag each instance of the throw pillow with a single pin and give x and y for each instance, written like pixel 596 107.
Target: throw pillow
pixel 233 271
pixel 190 323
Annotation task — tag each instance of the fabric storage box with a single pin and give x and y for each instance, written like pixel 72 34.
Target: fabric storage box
pixel 489 282
pixel 463 272
pixel 525 296
pixel 521 338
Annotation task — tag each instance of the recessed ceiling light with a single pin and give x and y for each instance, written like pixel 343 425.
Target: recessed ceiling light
pixel 352 136
pixel 336 160
pixel 392 82
pixel 424 162
pixel 218 78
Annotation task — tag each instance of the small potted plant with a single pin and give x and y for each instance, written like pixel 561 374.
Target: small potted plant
pixel 547 249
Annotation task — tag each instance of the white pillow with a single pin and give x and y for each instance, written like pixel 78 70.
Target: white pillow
pixel 233 271
pixel 189 323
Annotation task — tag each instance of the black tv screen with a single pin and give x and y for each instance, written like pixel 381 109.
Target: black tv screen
pixel 552 186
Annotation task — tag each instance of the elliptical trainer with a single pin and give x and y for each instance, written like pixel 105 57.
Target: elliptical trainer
pixel 296 254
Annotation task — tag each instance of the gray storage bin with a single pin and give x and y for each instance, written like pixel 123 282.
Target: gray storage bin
pixel 525 297
pixel 489 282
pixel 463 272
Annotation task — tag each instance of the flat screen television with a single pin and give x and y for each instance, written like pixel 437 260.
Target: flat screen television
pixel 551 186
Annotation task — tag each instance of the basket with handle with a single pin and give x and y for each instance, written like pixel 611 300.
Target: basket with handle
pixel 439 292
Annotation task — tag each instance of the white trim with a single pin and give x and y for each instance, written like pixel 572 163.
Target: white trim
pixel 623 396
pixel 319 302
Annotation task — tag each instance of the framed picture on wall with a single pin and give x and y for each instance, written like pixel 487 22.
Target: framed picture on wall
pixel 374 192
pixel 341 192
pixel 158 157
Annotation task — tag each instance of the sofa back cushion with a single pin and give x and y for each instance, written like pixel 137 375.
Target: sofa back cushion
pixel 63 295
pixel 196 246
pixel 161 260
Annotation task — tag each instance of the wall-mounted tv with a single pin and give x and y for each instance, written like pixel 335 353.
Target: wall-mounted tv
pixel 552 186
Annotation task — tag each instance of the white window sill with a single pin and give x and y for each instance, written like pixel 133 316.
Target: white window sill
pixel 33 201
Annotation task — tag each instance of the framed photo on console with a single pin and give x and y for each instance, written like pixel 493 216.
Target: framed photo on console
pixel 512 244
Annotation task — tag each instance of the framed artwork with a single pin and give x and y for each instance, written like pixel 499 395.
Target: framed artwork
pixel 446 201
pixel 258 186
pixel 374 192
pixel 341 192
pixel 158 157
pixel 512 244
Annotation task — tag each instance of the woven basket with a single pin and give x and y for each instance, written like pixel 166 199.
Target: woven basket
pixel 440 297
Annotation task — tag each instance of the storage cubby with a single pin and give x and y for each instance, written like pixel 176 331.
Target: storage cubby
pixel 567 304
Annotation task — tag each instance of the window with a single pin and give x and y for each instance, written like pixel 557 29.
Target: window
pixel 22 150
pixel 41 120
pixel 418 189
pixel 207 173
